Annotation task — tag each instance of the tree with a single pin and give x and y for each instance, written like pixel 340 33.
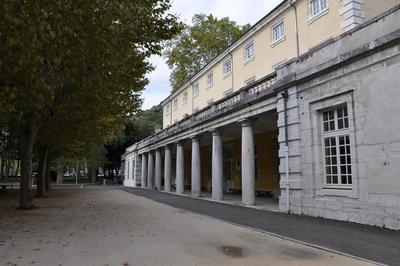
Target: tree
pixel 79 64
pixel 139 127
pixel 198 44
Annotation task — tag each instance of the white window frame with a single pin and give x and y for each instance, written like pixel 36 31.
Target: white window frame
pixel 185 97
pixel 313 15
pixel 224 71
pixel 210 81
pixel 175 104
pixel 277 39
pixel 249 56
pixel 330 131
pixel 357 189
pixel 167 110
pixel 195 89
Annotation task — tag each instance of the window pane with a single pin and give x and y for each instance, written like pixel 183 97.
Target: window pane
pixel 332 125
pixel 342 159
pixel 334 170
pixel 325 116
pixel 323 4
pixel 340 124
pixel 328 160
pixel 336 147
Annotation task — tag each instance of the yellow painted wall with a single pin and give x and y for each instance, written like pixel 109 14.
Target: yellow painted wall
pixel 314 32
pixel 310 32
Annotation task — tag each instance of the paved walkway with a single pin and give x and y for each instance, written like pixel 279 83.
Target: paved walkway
pixel 376 244
pixel 105 226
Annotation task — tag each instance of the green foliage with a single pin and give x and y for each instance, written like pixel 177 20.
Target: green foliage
pixel 199 44
pixel 71 71
pixel 139 127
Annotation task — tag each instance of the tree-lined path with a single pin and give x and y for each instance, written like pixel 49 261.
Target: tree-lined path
pixel 108 226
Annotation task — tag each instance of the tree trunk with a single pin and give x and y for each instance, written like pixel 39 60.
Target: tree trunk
pixel 47 177
pixel 93 174
pixel 1 167
pixel 60 170
pixel 27 140
pixel 7 168
pixel 41 179
pixel 77 173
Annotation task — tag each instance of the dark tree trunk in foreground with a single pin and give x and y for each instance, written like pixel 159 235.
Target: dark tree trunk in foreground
pixel 27 139
pixel 60 170
pixel 47 176
pixel 41 179
pixel 1 168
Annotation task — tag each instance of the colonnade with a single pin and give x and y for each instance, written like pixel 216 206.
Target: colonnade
pixel 153 170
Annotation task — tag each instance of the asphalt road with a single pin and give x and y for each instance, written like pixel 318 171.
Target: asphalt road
pixel 372 243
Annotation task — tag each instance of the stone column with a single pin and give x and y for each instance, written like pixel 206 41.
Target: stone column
pixel 167 169
pixel 196 172
pixel 150 170
pixel 138 170
pixel 248 164
pixel 217 166
pixel 144 170
pixel 180 169
pixel 158 170
pixel 134 170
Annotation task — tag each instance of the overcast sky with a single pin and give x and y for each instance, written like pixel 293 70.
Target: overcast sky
pixel 240 11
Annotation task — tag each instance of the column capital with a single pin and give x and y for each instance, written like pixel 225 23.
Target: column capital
pixel 167 147
pixel 194 138
pixel 179 143
pixel 247 122
pixel 216 131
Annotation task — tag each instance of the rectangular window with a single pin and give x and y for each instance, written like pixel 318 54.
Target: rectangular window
pixel 278 32
pixel 227 66
pixel 210 79
pixel 317 7
pixel 249 52
pixel 228 92
pixel 175 104
pixel 166 110
pixel 336 142
pixel 185 97
pixel 195 89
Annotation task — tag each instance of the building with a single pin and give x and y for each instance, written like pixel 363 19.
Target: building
pixel 302 107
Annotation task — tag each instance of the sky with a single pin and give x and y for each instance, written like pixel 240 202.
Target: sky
pixel 241 11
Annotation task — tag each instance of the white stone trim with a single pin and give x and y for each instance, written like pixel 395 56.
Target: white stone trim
pixel 352 14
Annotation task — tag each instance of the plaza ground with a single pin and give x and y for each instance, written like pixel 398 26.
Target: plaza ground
pixel 106 226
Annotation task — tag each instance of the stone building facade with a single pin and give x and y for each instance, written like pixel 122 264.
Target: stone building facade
pixel 320 133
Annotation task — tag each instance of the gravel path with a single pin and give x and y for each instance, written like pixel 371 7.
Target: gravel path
pixel 114 227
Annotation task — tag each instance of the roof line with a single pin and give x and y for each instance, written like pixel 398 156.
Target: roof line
pixel 226 49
